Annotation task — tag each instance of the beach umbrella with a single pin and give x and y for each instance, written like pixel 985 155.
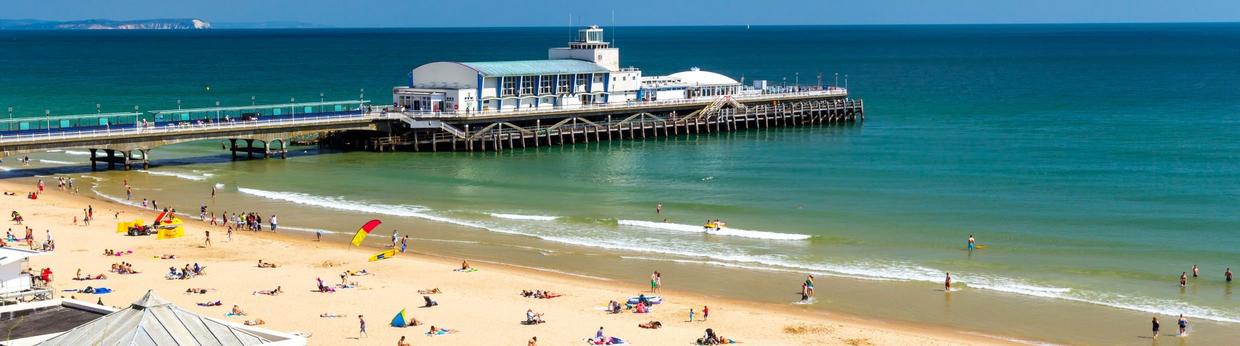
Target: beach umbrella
pixel 362 232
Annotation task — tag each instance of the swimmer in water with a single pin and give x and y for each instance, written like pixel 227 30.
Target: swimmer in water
pixel 1196 272
pixel 947 284
pixel 1183 279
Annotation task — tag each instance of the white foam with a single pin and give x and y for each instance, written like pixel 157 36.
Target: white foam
pixel 185 176
pixel 525 217
pixel 219 185
pixel 726 231
pixel 113 198
pixel 54 162
pixel 77 152
pixel 336 203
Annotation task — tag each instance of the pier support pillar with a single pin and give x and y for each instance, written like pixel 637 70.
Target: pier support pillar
pixel 111 158
pixel 94 159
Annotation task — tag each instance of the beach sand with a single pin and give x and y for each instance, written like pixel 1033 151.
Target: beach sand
pixel 484 306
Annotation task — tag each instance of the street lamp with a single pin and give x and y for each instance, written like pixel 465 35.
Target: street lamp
pixel 798 80
pixel 48 114
pixel 837 79
pixel 251 101
pixel 845 81
pixel 178 104
pixel 217 112
pixel 293 107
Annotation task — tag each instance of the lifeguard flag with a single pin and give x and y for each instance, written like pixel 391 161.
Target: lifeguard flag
pixel 362 232
pixel 399 320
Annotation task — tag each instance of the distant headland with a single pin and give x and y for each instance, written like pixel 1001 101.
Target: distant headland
pixel 105 24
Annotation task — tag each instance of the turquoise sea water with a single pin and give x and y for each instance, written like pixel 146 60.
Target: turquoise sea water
pixel 1095 161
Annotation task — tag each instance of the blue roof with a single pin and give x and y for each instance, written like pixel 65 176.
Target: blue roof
pixel 534 67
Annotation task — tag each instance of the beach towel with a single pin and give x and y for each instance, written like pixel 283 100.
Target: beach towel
pixel 470 270
pixel 102 290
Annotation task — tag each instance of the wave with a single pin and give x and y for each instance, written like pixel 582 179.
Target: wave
pixel 219 185
pixel 77 152
pixel 54 162
pixel 113 198
pixel 727 231
pixel 180 175
pixel 54 150
pixel 881 271
pixel 524 217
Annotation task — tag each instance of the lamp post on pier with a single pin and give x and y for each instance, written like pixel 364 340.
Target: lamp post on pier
pixel 47 113
pixel 251 101
pixel 217 112
pixel 845 81
pixel 293 107
pixel 798 81
pixel 321 102
pixel 136 117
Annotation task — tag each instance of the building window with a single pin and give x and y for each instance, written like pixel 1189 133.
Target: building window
pixel 527 85
pixel 562 88
pixel 598 78
pixel 509 87
pixel 544 87
pixel 582 80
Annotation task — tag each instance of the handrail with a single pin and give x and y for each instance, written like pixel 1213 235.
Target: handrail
pixel 181 128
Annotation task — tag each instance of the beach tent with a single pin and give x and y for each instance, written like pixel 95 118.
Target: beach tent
pixel 400 321
pixel 154 321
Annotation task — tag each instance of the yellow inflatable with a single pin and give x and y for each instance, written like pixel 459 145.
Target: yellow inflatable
pixel 172 229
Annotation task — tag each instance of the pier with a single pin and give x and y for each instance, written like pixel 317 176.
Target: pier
pixel 125 140
pixel 516 130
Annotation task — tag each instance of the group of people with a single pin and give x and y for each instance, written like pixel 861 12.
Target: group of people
pixel 540 294
pixel 1227 276
pixel 185 273
pixel 123 268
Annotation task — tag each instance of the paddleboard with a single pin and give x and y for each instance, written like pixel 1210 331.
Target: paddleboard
pixel 386 254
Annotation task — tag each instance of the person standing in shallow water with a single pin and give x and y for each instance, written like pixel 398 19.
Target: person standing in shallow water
pixel 1196 272
pixel 1183 279
pixel 1227 275
pixel 947 284
pixel 972 242
pixel 1183 323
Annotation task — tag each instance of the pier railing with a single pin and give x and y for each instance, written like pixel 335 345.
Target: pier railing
pixel 52 134
pixel 621 106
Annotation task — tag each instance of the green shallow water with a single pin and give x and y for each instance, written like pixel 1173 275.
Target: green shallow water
pixel 1095 161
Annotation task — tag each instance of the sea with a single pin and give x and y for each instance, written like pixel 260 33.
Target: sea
pixel 1095 162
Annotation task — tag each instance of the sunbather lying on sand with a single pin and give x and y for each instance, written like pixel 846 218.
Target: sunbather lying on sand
pixel 440 331
pixel 255 322
pixel 651 325
pixel 430 291
pixel 276 291
pixel 195 291
pixel 214 303
pixel 236 311
pixel 262 264
pixel 330 315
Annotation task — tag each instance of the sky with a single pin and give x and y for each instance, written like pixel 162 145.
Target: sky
pixel 503 13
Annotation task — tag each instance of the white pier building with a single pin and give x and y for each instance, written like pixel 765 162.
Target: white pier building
pixel 585 73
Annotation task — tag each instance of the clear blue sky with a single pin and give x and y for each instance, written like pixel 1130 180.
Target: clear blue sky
pixel 418 13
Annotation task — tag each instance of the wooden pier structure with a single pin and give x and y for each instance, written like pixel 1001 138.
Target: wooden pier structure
pixel 516 130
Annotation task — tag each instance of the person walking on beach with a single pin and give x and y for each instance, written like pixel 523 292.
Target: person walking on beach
pixel 1155 326
pixel 272 220
pixel 972 242
pixel 213 194
pixel 705 312
pixel 229 233
pixel 404 243
pixel 533 341
pixel 1227 275
pixel 690 314
pixel 1183 322
pixel 208 235
pixel 318 235
pixel 1183 279
pixel 361 324
pixel 402 342
pixel 394 239
pixel 947 284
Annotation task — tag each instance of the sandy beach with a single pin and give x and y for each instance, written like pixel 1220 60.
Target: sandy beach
pixel 484 306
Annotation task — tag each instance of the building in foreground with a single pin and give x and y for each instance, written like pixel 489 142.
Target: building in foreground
pixel 149 321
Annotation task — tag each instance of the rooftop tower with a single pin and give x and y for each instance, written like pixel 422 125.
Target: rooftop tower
pixel 589 46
